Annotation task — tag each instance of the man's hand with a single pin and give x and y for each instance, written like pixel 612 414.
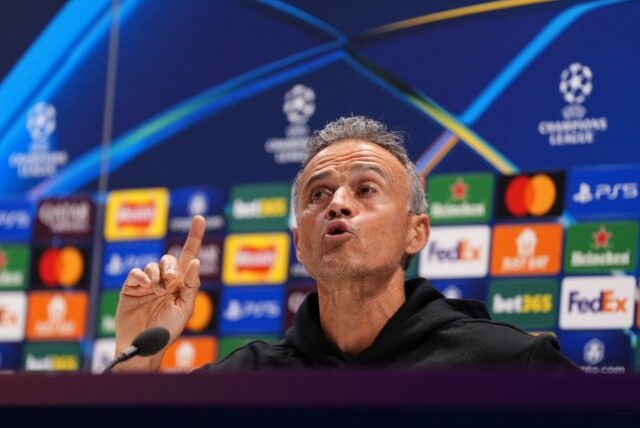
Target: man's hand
pixel 163 294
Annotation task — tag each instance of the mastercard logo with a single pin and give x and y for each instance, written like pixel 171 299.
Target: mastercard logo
pixel 535 195
pixel 202 313
pixel 61 266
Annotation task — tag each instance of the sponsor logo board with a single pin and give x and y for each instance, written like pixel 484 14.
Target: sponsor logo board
pixel 259 207
pixel 52 357
pixel 604 192
pixel 16 221
pixel 14 266
pixel 120 257
pixel 188 202
pixel 188 353
pixel 597 352
pixel 10 356
pixel 461 288
pixel 136 214
pixel 56 315
pixel 65 218
pixel 256 259
pixel 107 313
pixel 210 257
pixel 597 302
pixel 103 352
pixel 64 267
pixel 460 198
pixel 456 252
pixel 251 310
pixel 13 315
pixel 529 304
pixel 204 313
pixel 227 345
pixel 601 247
pixel 530 195
pixel 294 298
pixel 533 249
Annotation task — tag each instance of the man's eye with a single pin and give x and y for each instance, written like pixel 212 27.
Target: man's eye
pixel 317 195
pixel 366 190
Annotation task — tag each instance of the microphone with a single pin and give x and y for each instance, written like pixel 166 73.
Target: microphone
pixel 145 344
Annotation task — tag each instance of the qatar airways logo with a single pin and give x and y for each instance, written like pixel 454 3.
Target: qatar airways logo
pixel 66 216
pixel 597 302
pixel 456 252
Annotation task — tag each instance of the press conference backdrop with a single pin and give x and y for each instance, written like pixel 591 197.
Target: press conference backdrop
pixel 121 120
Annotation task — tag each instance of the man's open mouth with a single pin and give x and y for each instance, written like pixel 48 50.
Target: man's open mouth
pixel 337 228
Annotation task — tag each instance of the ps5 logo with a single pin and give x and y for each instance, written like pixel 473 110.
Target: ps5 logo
pixel 605 191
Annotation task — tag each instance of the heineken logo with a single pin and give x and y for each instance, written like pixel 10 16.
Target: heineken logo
pixel 601 238
pixel 601 247
pixel 459 190
pixel 455 198
pixel 14 263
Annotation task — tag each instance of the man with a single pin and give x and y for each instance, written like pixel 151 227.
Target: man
pixel 361 217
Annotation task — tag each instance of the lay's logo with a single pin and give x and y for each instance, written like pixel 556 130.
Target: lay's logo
pixel 256 259
pixel 136 214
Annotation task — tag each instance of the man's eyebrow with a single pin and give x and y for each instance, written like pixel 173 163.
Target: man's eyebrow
pixel 362 167
pixel 315 177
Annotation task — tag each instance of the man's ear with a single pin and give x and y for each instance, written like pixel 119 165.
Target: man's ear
pixel 418 233
pixel 296 237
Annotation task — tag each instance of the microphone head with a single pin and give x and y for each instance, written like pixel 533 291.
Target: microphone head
pixel 151 341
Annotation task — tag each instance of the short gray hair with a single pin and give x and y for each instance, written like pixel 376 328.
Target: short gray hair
pixel 364 128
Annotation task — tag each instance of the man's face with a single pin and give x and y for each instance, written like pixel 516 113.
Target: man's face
pixel 353 218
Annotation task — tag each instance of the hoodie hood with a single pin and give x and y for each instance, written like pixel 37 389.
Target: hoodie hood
pixel 424 311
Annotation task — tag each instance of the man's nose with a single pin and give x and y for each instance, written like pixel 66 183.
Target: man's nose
pixel 340 205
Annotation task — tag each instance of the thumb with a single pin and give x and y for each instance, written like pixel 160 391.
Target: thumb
pixel 191 282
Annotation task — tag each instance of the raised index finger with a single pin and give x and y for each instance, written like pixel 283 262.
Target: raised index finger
pixel 192 245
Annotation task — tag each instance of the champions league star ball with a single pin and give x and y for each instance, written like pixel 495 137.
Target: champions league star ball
pixel 575 83
pixel 299 104
pixel 41 121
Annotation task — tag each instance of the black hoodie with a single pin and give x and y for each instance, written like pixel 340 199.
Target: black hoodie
pixel 428 331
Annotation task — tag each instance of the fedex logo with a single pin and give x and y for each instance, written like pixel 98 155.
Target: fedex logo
pixel 611 191
pixel 456 252
pixel 464 250
pixel 597 302
pixel 607 301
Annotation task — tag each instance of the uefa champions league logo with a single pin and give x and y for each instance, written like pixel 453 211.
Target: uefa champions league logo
pixel 575 83
pixel 299 104
pixel 40 160
pixel 41 122
pixel 575 86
